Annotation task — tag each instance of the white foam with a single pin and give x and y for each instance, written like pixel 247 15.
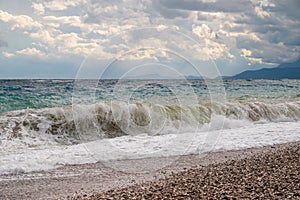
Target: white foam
pixel 143 146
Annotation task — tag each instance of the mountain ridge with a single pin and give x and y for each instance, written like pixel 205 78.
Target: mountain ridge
pixel 282 71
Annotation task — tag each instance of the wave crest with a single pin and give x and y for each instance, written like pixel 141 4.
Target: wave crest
pixel 80 123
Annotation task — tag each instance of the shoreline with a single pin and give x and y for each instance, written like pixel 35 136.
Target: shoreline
pixel 77 181
pixel 271 175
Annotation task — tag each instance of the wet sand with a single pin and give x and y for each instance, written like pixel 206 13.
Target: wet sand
pixel 231 174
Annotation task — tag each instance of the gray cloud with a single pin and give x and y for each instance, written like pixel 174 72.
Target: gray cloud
pixel 279 26
pixel 288 8
pixel 3 43
pixel 268 52
pixel 103 11
pixel 167 12
pixel 218 6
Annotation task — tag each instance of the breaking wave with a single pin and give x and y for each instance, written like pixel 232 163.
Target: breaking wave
pixel 70 125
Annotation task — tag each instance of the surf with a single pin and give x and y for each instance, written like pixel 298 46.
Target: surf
pixel 82 123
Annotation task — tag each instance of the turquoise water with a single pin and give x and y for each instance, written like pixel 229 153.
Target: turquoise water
pixel 23 94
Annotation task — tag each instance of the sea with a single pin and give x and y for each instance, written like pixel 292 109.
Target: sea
pixel 46 124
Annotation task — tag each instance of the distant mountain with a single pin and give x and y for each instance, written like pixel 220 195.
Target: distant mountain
pixel 283 71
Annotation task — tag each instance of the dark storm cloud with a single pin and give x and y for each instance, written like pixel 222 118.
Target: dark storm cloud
pixel 274 25
pixel 266 51
pixel 276 34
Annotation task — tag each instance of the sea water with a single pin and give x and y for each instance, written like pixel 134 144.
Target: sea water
pixel 45 124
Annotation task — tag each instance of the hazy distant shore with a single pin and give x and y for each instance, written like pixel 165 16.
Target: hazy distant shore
pixel 87 179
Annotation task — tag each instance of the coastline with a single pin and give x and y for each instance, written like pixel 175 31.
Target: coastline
pixel 81 181
pixel 272 175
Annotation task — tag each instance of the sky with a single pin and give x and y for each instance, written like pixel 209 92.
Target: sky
pixel 129 38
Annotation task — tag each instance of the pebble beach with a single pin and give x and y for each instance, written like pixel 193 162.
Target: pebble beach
pixel 270 172
pixel 272 175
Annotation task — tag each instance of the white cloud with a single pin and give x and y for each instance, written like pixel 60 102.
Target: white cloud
pixel 44 36
pixel 19 21
pixel 214 47
pixel 59 44
pixel 72 43
pixel 141 54
pixel 59 5
pixel 38 8
pixel 261 13
pixel 246 52
pixel 73 20
pixel 203 31
pixel 105 28
pixel 31 52
pixel 8 55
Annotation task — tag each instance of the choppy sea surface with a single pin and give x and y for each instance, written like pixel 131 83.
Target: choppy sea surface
pixel 45 124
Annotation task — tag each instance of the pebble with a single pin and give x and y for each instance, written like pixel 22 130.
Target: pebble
pixel 274 175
